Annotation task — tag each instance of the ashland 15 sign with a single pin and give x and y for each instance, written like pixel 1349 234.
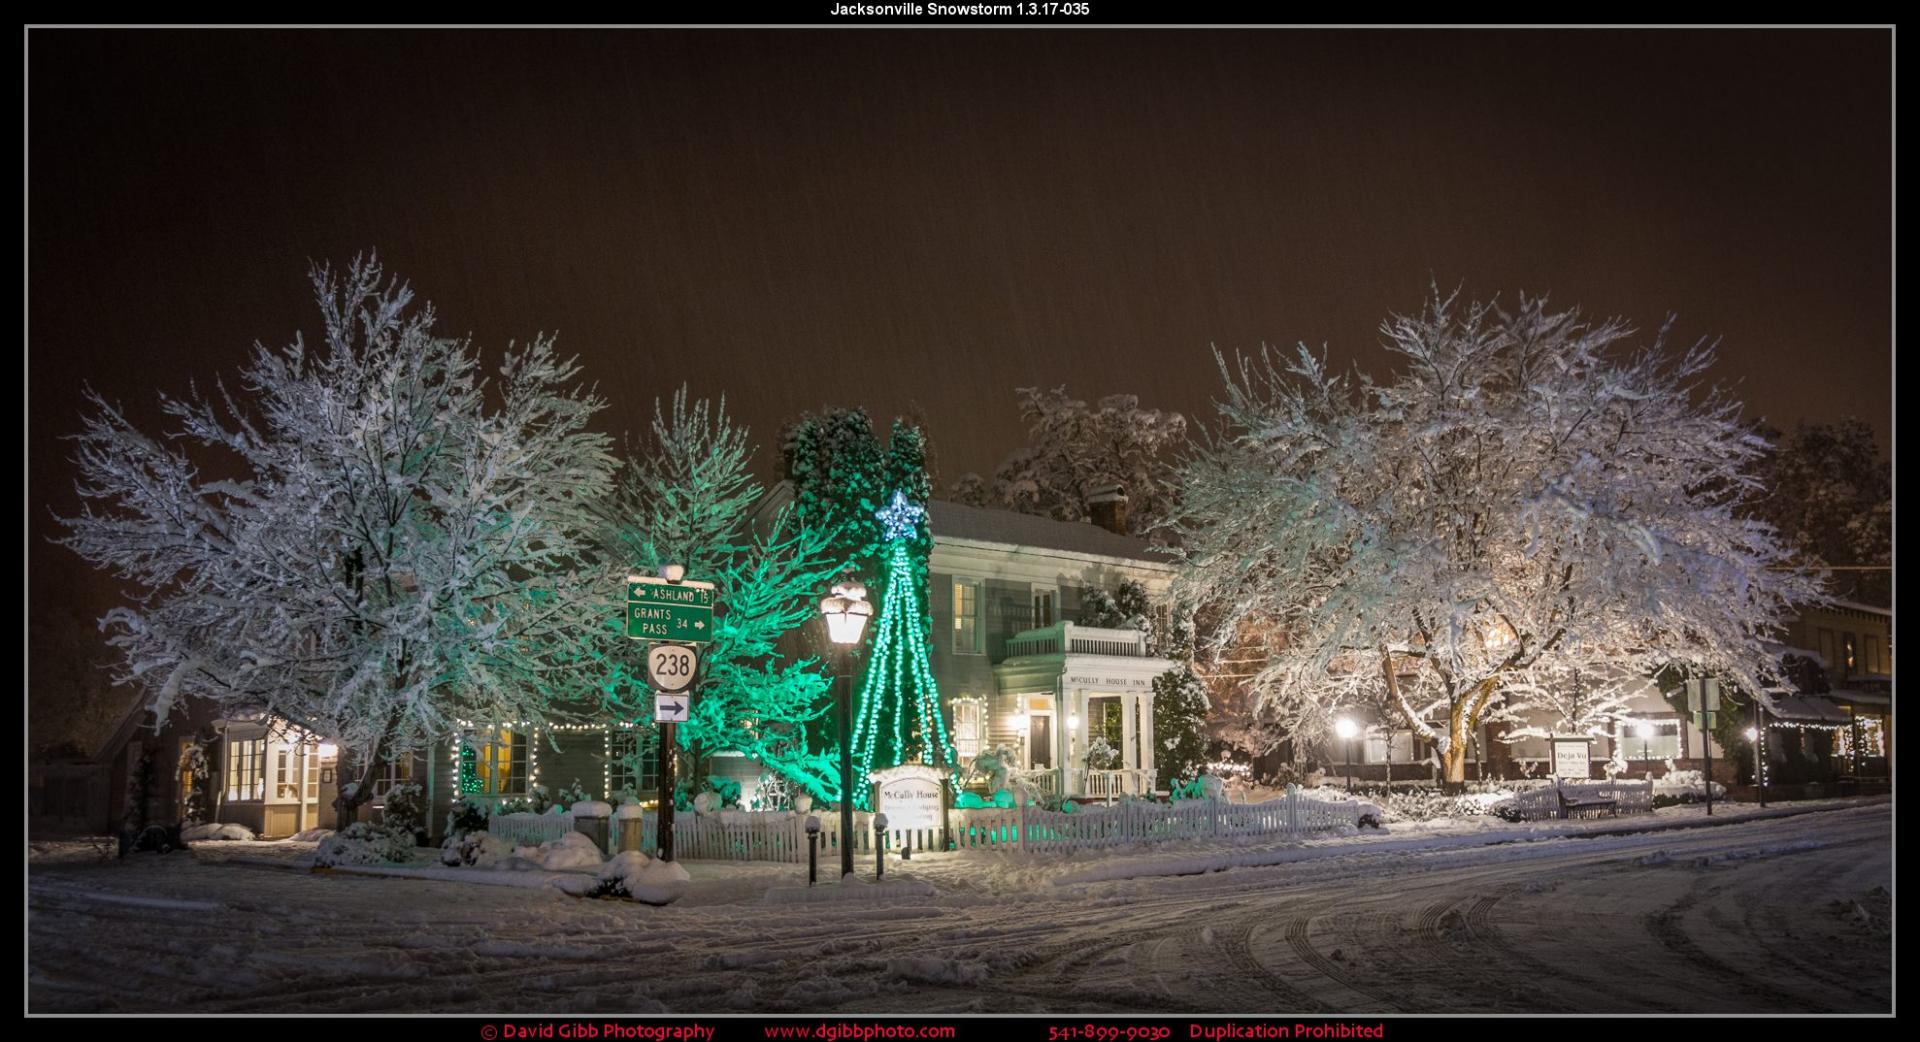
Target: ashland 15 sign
pixel 909 795
pixel 662 610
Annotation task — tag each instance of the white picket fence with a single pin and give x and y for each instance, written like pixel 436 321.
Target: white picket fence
pixel 780 836
pixel 1543 804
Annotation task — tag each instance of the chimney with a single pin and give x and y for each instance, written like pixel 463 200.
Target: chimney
pixel 1107 505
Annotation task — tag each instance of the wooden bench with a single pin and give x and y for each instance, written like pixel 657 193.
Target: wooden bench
pixel 1581 805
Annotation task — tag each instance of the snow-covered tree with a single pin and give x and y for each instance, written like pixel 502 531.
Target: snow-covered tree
pixel 1521 498
pixel 1830 495
pixel 687 497
pixel 367 537
pixel 1074 449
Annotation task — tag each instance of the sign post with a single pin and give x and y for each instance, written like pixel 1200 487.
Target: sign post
pixel 1703 700
pixel 676 612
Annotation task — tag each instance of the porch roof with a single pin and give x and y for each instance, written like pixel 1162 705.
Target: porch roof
pixel 1805 709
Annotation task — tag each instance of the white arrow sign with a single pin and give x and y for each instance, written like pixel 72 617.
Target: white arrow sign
pixel 669 709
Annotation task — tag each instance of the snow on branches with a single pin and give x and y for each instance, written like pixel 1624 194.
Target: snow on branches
pixel 367 537
pixel 1523 499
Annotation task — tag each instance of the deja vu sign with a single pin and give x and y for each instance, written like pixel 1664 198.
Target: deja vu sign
pixel 909 795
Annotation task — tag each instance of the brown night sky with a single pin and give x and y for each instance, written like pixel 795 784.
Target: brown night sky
pixel 926 220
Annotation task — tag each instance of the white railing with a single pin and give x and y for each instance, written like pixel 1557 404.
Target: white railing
pixel 1074 639
pixel 530 829
pixel 1543 803
pixel 1103 785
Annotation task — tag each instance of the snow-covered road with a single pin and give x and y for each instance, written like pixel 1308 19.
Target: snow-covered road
pixel 1788 914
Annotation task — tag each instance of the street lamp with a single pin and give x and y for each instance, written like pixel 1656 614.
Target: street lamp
pixel 1346 729
pixel 846 611
pixel 1644 729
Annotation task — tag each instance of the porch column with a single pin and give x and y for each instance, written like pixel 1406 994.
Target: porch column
pixel 1129 733
pixel 1148 762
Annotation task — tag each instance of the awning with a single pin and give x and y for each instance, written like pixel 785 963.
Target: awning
pixel 1809 709
pixel 1864 699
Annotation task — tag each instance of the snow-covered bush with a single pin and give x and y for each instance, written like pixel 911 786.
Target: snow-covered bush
pixel 571 794
pixel 571 851
pixel 216 831
pixel 476 849
pixel 1101 756
pixel 1427 804
pixel 364 843
pixel 406 808
pixel 466 816
pixel 635 875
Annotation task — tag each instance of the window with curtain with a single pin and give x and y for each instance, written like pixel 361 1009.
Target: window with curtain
pixel 498 763
pixel 246 769
pixel 966 617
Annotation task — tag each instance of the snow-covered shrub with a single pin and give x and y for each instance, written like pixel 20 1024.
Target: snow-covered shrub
pixel 1427 804
pixel 364 843
pixel 406 808
pixel 726 789
pixel 571 851
pixel 311 835
pixel 476 849
pixel 635 875
pixel 1101 756
pixel 466 816
pixel 570 795
pixel 775 792
pixel 216 831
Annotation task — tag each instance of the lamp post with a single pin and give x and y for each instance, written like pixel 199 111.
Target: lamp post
pixel 1346 729
pixel 846 611
pixel 1644 729
pixel 813 848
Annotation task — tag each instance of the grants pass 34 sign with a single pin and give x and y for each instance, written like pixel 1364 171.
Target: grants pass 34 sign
pixel 909 795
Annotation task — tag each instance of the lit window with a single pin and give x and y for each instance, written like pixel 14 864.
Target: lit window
pixel 494 763
pixel 969 727
pixel 634 766
pixel 966 621
pixel 1662 743
pixel 246 769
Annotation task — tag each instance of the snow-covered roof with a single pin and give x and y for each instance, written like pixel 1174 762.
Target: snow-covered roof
pixel 1861 698
pixel 1805 709
pixel 988 525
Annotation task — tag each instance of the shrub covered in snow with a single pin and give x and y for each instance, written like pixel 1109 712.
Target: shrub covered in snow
pixel 364 843
pixel 406 808
pixel 477 849
pixel 635 875
pixel 1428 804
pixel 466 816
pixel 198 833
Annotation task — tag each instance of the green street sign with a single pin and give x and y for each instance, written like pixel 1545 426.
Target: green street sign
pixel 660 610
pixel 686 623
pixel 658 592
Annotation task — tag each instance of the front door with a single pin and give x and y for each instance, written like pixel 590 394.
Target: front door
pixel 1040 740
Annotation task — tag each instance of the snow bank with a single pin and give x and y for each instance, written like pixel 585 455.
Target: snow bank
pixel 311 835
pixel 201 833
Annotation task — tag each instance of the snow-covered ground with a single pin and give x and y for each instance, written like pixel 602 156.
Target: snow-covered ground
pixel 1775 913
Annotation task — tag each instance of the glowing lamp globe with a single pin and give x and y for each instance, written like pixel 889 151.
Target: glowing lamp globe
pixel 1345 728
pixel 846 611
pixel 1643 730
pixel 1753 734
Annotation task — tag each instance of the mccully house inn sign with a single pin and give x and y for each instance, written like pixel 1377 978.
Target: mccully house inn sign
pixel 909 795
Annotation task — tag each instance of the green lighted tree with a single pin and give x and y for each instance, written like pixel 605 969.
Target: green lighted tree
pixel 900 719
